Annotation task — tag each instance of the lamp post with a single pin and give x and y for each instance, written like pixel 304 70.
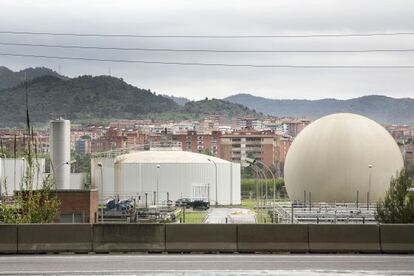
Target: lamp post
pixel 65 163
pixel 58 175
pixel 158 188
pixel 274 180
pixel 257 170
pixel 102 186
pixel 215 166
pixel 260 174
pixel 254 161
pixel 369 185
pixel 3 174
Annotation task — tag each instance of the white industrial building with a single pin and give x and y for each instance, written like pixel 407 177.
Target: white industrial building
pixel 13 171
pixel 162 175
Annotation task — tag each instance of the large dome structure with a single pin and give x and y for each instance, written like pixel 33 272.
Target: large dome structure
pixel 340 156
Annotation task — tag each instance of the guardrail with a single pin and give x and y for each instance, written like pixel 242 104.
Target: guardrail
pixel 252 238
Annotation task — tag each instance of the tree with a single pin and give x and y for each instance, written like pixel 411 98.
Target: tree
pixel 409 167
pixel 398 205
pixel 207 152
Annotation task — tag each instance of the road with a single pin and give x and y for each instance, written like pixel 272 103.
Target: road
pixel 233 215
pixel 199 264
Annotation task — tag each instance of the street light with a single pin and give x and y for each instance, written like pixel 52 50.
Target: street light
pixel 2 174
pixel 254 161
pixel 100 166
pixel 158 169
pixel 369 184
pixel 259 174
pixel 215 166
pixel 65 163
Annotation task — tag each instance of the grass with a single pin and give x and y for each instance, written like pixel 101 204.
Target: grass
pixel 248 203
pixel 194 216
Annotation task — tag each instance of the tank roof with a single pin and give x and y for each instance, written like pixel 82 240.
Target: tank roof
pixel 168 157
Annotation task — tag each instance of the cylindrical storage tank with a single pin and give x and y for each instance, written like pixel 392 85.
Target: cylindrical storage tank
pixel 161 175
pixel 60 152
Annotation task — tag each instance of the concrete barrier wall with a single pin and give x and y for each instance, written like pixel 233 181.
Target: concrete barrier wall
pixel 8 238
pixel 129 237
pixel 201 237
pixel 272 238
pixel 397 238
pixel 49 238
pixel 44 238
pixel 344 238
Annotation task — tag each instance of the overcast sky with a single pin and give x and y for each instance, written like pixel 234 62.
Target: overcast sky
pixel 258 17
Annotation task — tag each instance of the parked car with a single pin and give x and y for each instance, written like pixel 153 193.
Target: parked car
pixel 200 205
pixel 183 202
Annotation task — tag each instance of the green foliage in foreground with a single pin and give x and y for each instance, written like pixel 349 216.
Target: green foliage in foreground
pixel 249 187
pixel 398 205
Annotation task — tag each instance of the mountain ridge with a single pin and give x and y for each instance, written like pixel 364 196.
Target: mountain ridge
pixel 101 98
pixel 383 109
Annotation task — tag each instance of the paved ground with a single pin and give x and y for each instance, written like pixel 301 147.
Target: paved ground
pixel 224 264
pixel 233 215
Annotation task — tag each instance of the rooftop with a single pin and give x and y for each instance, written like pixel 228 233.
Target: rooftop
pixel 165 156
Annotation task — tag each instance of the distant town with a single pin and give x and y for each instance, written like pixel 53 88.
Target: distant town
pixel 267 139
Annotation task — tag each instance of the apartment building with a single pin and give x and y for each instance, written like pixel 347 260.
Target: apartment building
pixel 198 141
pixel 266 146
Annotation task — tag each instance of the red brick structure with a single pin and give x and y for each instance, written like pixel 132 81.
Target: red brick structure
pixel 80 206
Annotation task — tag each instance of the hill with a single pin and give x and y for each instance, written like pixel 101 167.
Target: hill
pixel 178 100
pixel 382 109
pixel 216 106
pixel 98 99
pixel 82 98
pixel 9 79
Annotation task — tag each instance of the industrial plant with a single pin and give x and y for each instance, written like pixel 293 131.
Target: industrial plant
pixel 336 170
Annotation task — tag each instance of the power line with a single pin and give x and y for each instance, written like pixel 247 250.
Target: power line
pixel 205 36
pixel 217 64
pixel 200 50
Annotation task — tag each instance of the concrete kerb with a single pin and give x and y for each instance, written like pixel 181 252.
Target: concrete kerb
pixel 273 238
pixel 397 238
pixel 344 238
pixel 8 238
pixel 201 238
pixel 49 238
pixel 128 238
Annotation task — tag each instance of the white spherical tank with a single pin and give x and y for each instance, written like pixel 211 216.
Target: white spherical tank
pixel 60 152
pixel 340 157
